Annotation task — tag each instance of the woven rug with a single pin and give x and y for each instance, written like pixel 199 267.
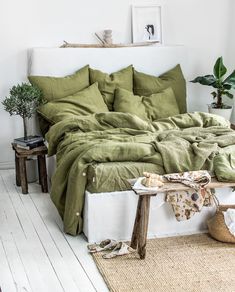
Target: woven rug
pixel 192 263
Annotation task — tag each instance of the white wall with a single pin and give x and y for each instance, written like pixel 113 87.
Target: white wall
pixel 231 38
pixel 230 56
pixel 202 26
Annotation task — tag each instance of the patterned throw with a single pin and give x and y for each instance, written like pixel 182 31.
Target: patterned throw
pixel 186 203
pixel 194 179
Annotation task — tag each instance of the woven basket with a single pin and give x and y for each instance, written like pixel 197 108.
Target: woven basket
pixel 216 225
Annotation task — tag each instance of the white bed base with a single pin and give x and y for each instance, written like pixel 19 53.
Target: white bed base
pixel 111 215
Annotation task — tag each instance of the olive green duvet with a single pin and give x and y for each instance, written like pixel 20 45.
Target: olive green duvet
pixel 179 143
pixel 112 176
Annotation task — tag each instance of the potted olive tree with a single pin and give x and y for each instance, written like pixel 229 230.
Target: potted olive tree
pixel 23 101
pixel 222 87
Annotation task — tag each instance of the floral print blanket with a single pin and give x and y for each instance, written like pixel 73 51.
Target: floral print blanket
pixel 186 203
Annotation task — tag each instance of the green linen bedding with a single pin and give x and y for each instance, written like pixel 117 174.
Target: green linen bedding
pixel 112 176
pixel 156 106
pixel 145 84
pixel 58 87
pixel 179 143
pixel 108 83
pixel 85 102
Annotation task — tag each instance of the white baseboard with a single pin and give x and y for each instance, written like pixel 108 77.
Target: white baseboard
pixel 7 165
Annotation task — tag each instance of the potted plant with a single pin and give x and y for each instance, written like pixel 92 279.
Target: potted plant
pixel 23 101
pixel 222 88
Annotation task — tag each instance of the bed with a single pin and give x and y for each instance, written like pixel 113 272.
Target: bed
pixel 110 214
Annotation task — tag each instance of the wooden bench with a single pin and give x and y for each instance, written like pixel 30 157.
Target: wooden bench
pixel 140 230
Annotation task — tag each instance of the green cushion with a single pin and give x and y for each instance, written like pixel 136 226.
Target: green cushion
pixel 85 102
pixel 44 124
pixel 145 85
pixel 153 107
pixel 59 87
pixel 108 83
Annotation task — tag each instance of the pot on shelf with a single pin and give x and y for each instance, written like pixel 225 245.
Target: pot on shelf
pixel 225 112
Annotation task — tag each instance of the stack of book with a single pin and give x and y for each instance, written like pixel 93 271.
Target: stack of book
pixel 29 143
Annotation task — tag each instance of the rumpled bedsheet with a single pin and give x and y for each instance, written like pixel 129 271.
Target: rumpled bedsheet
pixel 180 143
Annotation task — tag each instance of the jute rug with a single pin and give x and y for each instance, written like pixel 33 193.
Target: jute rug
pixel 192 263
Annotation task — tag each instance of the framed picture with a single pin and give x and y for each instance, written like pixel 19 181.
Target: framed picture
pixel 146 24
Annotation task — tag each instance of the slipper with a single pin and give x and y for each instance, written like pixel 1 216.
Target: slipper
pixel 107 244
pixel 121 249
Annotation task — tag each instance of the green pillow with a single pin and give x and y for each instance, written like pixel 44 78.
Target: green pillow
pixel 153 107
pixel 108 83
pixel 44 124
pixel 85 102
pixel 145 84
pixel 58 87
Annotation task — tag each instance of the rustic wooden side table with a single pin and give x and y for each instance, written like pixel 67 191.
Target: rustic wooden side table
pixel 20 166
pixel 140 230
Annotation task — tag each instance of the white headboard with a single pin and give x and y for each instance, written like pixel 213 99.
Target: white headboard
pixel 63 61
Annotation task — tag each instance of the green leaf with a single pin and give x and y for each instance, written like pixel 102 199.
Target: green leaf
pixel 23 100
pixel 214 94
pixel 205 80
pixel 219 68
pixel 227 86
pixel 231 79
pixel 216 85
pixel 228 94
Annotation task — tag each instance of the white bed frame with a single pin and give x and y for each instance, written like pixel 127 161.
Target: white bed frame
pixel 111 215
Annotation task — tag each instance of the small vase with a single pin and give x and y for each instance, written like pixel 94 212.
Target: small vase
pixel 108 36
pixel 223 112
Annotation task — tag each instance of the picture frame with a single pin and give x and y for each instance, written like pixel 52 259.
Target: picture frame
pixel 146 23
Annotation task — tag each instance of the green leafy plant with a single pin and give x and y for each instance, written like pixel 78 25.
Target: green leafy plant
pixel 23 101
pixel 219 82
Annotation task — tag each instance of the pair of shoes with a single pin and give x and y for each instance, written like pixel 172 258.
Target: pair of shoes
pixel 117 248
pixel 107 244
pixel 121 249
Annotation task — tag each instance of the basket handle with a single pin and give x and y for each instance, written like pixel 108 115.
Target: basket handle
pixel 216 201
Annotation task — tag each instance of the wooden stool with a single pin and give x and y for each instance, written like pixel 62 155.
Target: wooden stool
pixel 20 166
pixel 140 230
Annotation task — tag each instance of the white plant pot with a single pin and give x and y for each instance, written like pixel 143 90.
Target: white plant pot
pixel 223 112
pixel 31 170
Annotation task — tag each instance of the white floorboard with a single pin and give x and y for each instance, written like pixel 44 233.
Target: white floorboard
pixel 35 254
pixel 7 281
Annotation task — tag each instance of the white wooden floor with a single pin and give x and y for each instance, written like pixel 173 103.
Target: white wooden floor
pixel 35 255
